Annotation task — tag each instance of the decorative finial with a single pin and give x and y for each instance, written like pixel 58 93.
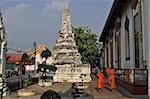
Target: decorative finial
pixel 66 6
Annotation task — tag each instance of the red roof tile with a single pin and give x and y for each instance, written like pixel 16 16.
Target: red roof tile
pixel 13 57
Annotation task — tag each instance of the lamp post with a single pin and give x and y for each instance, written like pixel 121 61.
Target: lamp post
pixel 34 45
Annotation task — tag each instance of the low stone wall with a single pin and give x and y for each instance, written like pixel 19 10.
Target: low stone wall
pixel 72 74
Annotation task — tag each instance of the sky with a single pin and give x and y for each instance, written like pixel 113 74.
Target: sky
pixel 27 21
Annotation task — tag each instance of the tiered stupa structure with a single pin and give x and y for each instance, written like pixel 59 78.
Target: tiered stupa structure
pixel 65 55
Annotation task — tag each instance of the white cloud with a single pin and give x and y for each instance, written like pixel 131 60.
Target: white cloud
pixel 53 8
pixel 18 14
pixel 57 5
pixel 20 22
pixel 24 25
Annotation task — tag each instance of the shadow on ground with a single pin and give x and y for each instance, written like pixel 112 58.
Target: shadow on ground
pixel 69 94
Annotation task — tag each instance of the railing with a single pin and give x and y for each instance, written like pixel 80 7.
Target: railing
pixel 16 82
pixel 136 77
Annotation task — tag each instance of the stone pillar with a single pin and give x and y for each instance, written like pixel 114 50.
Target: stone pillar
pixel 105 57
pixel 2 57
pixel 3 43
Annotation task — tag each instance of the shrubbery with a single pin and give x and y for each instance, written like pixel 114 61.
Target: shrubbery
pixel 50 95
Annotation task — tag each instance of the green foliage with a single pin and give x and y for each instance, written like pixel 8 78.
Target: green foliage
pixel 50 95
pixel 1 76
pixel 45 66
pixel 46 53
pixel 46 77
pixel 87 45
pixel 27 81
pixel 25 57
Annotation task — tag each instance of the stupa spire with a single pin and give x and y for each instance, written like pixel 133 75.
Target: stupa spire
pixel 66 20
pixel 66 4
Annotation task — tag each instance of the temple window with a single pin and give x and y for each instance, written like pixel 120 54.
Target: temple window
pixel 127 39
pixel 137 32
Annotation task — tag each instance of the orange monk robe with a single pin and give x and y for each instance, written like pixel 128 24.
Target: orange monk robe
pixel 108 76
pixel 112 78
pixel 100 80
pixel 113 83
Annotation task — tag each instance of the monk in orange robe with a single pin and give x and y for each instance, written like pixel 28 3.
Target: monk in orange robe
pixel 113 83
pixel 100 81
pixel 111 78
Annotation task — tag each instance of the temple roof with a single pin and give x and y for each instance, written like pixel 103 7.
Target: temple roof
pixel 115 12
pixel 13 57
pixel 41 47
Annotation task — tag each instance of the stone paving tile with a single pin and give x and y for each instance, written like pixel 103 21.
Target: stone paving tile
pixel 64 89
pixel 58 87
pixel 106 92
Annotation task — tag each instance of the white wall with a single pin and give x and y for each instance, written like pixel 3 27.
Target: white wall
pixel 124 63
pixel 31 67
pixel 147 28
pixel 130 63
pixel 147 36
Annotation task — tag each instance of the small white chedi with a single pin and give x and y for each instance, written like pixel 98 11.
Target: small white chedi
pixel 65 55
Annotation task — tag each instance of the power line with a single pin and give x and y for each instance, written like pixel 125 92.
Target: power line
pixel 19 50
pixel 17 44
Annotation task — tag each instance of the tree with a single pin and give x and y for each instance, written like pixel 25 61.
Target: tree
pixel 44 67
pixel 21 66
pixel 87 45
pixel 46 54
pixel 50 94
pixel 25 57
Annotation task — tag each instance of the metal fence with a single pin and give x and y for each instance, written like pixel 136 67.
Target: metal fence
pixel 137 77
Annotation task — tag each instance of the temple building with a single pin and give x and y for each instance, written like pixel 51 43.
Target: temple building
pixel 65 54
pixel 41 47
pixel 125 44
pixel 37 53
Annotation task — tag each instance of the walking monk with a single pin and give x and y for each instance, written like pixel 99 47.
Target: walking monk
pixel 111 79
pixel 100 81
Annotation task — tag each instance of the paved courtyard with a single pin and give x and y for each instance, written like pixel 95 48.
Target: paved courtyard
pixel 64 89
